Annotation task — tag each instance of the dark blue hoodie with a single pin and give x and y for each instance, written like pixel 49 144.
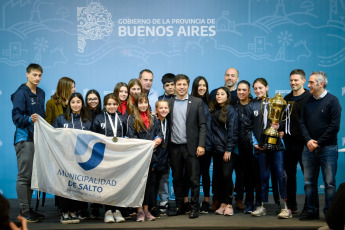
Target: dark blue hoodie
pixel 25 103
pixel 75 122
pixel 101 124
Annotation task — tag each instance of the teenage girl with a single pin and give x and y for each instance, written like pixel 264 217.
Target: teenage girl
pixel 110 124
pixel 134 88
pixel 267 158
pixel 75 117
pixel 93 103
pixel 143 125
pixel 225 134
pixel 121 91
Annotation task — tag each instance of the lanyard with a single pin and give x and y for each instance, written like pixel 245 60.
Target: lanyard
pixel 112 124
pixel 164 128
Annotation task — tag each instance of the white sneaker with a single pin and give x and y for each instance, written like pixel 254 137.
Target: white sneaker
pixel 118 217
pixel 285 214
pixel 259 211
pixel 74 218
pixel 65 218
pixel 108 217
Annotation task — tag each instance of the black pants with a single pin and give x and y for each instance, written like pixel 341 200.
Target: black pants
pixel 184 165
pixel 69 205
pixel 251 173
pixel 239 183
pixel 223 173
pixel 292 155
pixel 205 162
pixel 150 199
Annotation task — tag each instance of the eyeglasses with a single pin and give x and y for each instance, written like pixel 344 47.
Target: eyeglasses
pixel 92 99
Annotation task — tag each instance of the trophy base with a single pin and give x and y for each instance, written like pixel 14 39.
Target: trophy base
pixel 271 147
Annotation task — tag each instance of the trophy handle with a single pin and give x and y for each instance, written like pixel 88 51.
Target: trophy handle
pixel 291 103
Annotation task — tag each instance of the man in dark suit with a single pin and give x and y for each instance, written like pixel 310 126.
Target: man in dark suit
pixel 187 142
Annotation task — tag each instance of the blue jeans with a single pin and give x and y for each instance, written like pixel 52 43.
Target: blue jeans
pixel 326 158
pixel 276 157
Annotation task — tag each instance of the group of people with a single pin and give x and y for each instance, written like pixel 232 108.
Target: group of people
pixel 189 130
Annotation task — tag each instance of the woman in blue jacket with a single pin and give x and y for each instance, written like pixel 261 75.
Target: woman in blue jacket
pixel 75 117
pixel 225 135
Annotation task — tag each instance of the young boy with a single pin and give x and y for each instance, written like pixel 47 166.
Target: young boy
pixel 168 86
pixel 162 168
pixel 28 102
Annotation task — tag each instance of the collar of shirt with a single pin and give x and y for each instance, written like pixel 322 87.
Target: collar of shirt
pixel 322 95
pixel 186 98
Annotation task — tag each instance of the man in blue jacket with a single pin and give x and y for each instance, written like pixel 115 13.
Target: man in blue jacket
pixel 28 102
pixel 320 123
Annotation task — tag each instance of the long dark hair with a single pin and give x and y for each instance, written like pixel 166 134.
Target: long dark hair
pixel 224 109
pixel 118 87
pixel 138 122
pixel 99 106
pixel 206 96
pixel 131 83
pixel 83 114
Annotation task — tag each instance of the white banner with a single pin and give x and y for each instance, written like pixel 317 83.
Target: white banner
pixel 87 166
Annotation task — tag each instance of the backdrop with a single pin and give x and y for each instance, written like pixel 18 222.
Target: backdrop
pixel 99 43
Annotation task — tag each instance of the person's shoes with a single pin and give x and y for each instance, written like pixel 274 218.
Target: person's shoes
pixel 259 211
pixel 249 208
pixel 239 204
pixel 74 218
pixel 187 207
pixel 220 210
pixel 294 209
pixel 309 216
pixel 118 217
pixel 170 212
pixel 194 214
pixel 156 213
pixel 140 216
pixel 215 205
pixel 180 211
pixel 65 218
pixel 83 214
pixel 109 217
pixel 148 215
pixel 229 211
pixel 205 207
pixel 285 214
pixel 36 214
pixel 125 213
pixel 95 214
pixel 163 207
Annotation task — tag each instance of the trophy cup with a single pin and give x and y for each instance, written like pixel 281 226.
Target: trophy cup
pixel 277 107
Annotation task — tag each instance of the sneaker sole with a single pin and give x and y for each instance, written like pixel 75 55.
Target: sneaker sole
pixel 228 214
pixel 284 217
pixel 120 220
pixel 264 214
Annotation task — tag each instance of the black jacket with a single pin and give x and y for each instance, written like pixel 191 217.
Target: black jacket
pixel 162 150
pixel 245 123
pixel 74 123
pixel 295 130
pixel 225 135
pixel 101 124
pixel 151 134
pixel 258 126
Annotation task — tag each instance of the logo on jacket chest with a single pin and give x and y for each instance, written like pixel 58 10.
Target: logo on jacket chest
pixel 256 113
pixel 103 125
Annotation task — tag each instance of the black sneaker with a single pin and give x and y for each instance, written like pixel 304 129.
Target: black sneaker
pixel 83 214
pixel 163 207
pixel 37 215
pixel 30 218
pixel 187 207
pixel 205 207
pixel 155 212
